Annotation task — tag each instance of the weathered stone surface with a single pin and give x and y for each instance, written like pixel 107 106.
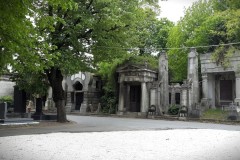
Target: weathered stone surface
pixel 163 81
pixel 7 87
pixel 193 80
pixel 3 110
pixel 220 84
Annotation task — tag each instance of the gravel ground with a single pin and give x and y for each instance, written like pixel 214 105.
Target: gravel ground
pixel 194 144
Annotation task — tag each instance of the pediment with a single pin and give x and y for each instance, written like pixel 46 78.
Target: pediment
pixel 128 67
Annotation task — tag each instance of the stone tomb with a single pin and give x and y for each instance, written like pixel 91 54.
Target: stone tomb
pixel 134 88
pixel 83 92
pixel 221 86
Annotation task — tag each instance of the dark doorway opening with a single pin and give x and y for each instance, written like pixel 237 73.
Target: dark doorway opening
pixel 78 95
pixel 78 86
pixel 135 98
pixel 226 91
pixel 177 98
pixel 79 100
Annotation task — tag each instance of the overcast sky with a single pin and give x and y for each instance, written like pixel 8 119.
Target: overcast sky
pixel 174 9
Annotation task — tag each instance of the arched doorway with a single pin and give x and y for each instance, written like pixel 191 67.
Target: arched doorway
pixel 78 95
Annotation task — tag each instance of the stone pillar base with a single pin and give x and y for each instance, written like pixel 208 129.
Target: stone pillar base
pixel 83 108
pixel 142 113
pixel 206 103
pixel 120 113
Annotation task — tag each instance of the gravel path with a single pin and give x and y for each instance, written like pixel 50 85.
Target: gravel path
pixel 193 144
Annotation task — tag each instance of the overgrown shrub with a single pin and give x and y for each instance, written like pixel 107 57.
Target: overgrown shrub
pixel 7 99
pixel 108 103
pixel 173 110
pixel 216 114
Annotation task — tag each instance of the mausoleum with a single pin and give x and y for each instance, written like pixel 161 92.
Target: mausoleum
pixel 221 86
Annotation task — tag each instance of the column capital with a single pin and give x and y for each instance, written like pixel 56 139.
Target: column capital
pixel 193 53
pixel 204 75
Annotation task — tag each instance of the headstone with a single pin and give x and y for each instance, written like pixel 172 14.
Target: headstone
pixel 19 100
pixel 195 113
pixel 232 113
pixel 3 110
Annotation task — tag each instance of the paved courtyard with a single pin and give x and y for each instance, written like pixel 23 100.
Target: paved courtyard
pixel 91 138
pixel 177 144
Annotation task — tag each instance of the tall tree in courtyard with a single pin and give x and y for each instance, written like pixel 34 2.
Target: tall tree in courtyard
pixel 76 35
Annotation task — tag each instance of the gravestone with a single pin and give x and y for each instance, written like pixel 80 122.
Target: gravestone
pixel 19 100
pixel 195 113
pixel 3 111
pixel 232 112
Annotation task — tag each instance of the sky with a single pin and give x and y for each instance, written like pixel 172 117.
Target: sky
pixel 174 9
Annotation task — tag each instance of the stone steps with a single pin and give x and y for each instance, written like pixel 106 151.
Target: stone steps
pixel 16 120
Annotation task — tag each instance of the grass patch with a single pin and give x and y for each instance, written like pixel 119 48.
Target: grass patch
pixel 216 114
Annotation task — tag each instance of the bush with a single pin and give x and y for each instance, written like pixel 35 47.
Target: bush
pixel 108 103
pixel 7 99
pixel 173 110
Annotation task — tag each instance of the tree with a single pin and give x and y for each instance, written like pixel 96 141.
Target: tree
pixel 219 28
pixel 77 35
pixel 154 34
pixel 16 31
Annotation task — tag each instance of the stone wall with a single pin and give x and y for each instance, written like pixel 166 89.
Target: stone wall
pixel 6 86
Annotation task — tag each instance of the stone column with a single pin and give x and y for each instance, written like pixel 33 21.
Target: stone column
pixel 193 77
pixel 163 81
pixel 153 96
pixel 128 97
pixel 184 97
pixel 237 99
pixel 84 105
pixel 68 103
pixel 144 98
pixel 159 110
pixel 204 86
pixel 173 98
pixel 121 99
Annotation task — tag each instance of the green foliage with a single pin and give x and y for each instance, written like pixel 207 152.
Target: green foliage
pixel 182 34
pixel 151 61
pixel 8 99
pixel 107 71
pixel 222 54
pixel 173 109
pixel 33 83
pixel 205 23
pixel 17 35
pixel 154 34
pixel 108 102
pixel 216 114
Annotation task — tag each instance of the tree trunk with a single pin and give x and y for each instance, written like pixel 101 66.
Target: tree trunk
pixel 61 112
pixel 55 78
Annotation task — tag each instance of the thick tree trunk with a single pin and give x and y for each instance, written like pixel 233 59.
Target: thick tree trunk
pixel 55 78
pixel 61 112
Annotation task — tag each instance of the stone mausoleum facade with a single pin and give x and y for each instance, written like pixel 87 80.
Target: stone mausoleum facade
pixel 141 87
pixel 221 86
pixel 83 91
